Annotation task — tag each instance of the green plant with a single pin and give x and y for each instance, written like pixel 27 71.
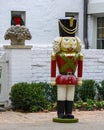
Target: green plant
pixel 50 92
pixel 99 104
pixel 100 89
pixel 90 104
pixel 78 104
pixel 20 96
pixel 88 90
pixel 33 96
pixel 77 96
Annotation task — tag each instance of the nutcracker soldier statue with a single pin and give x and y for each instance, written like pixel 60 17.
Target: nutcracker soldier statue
pixel 68 58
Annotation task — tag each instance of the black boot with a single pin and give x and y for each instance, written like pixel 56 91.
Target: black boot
pixel 68 109
pixel 60 109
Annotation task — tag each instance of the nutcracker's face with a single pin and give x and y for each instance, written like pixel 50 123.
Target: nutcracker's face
pixel 68 44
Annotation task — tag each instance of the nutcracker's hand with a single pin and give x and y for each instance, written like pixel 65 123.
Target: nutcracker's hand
pixel 53 81
pixel 80 81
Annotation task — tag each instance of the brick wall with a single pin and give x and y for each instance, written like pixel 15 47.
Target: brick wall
pixel 93 64
pixel 41 58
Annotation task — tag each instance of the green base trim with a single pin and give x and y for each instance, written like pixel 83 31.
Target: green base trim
pixel 59 120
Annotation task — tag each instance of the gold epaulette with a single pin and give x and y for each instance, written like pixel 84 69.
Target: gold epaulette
pixel 53 57
pixel 81 56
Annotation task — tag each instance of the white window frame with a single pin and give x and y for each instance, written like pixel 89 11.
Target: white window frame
pixel 97 30
pixel 94 32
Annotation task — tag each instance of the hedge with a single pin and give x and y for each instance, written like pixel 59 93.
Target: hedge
pixel 42 96
pixel 33 96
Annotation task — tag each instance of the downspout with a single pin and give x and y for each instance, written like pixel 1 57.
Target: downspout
pixel 85 21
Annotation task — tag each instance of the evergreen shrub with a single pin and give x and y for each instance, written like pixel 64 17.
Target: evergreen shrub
pixel 33 96
pixel 86 91
pixel 41 96
pixel 100 89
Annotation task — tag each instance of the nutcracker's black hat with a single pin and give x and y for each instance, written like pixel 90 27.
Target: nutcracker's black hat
pixel 67 27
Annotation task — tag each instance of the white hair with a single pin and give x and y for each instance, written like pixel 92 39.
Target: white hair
pixel 57 42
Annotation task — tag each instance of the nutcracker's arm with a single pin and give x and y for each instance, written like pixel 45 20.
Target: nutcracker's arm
pixel 53 69
pixel 80 69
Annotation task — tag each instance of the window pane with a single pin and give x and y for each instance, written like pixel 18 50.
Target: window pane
pixel 102 44
pixel 99 22
pixel 99 44
pixel 103 22
pixel 100 33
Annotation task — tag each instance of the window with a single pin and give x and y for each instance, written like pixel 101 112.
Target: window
pixel 100 32
pixel 17 17
pixel 68 14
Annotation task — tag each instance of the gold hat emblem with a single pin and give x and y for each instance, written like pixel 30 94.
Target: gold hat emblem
pixel 71 22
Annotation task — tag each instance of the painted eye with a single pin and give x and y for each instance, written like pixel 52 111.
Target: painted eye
pixel 66 40
pixel 73 40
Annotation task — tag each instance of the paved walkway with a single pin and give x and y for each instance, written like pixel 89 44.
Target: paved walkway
pixel 88 120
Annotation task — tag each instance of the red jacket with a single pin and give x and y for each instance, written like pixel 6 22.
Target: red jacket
pixel 67 65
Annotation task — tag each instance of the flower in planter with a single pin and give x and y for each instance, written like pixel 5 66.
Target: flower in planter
pixel 17 34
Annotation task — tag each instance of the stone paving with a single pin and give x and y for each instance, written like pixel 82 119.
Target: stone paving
pixel 88 120
pixel 40 117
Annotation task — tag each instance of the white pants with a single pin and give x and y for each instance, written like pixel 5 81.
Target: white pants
pixel 65 92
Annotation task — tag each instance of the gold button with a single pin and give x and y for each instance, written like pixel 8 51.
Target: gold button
pixel 69 81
